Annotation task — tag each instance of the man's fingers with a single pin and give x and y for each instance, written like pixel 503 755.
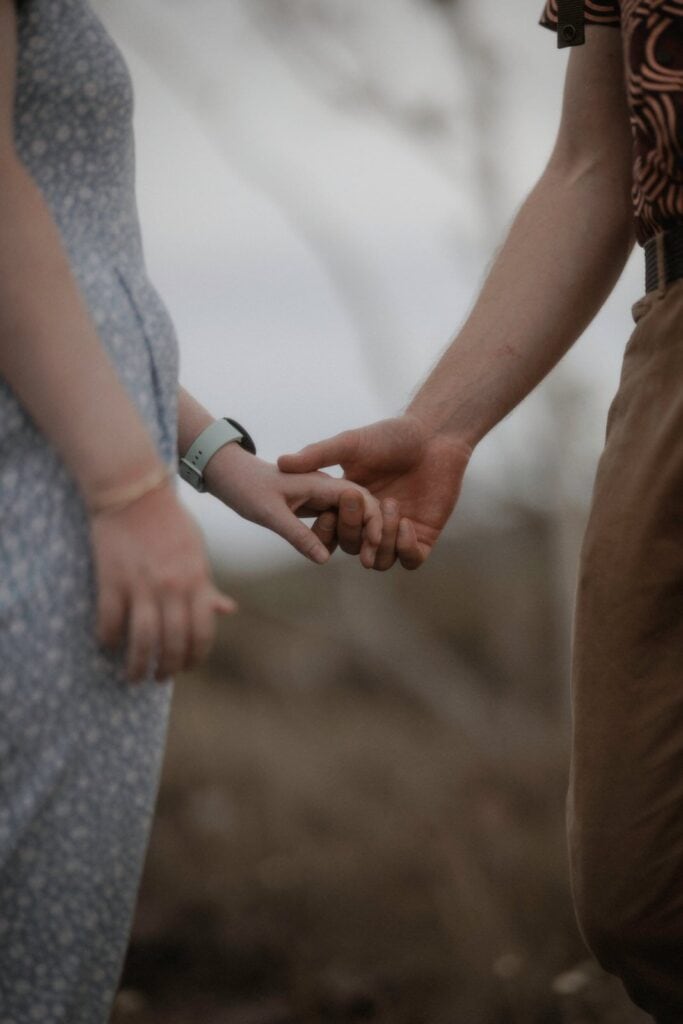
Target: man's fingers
pixel 325 528
pixel 330 452
pixel 350 521
pixel 411 554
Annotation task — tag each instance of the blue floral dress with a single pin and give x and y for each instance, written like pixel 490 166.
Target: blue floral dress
pixel 80 748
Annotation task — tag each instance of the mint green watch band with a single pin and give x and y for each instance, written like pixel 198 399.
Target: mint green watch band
pixel 191 465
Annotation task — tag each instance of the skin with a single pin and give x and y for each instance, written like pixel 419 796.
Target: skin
pixel 155 591
pixel 564 252
pixel 260 492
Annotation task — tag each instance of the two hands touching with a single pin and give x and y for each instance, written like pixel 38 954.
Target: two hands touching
pixel 400 485
pixel 415 473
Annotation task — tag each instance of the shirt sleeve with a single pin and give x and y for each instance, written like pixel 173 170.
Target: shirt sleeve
pixel 596 12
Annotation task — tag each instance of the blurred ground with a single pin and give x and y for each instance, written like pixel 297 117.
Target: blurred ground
pixel 362 809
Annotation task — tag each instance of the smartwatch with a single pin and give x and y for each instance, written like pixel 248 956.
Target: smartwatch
pixel 191 466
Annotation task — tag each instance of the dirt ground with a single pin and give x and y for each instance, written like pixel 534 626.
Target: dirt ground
pixel 362 827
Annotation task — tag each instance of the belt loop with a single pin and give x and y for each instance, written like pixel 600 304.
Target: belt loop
pixel 570 23
pixel 661 265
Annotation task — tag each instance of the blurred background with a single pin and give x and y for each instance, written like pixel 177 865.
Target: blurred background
pixel 361 816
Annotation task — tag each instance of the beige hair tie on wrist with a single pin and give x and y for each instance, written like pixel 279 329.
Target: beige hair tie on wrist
pixel 119 497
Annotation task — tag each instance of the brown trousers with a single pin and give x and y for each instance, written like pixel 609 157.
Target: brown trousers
pixel 625 798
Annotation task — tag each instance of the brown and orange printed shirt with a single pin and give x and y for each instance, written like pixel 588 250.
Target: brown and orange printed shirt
pixel 652 33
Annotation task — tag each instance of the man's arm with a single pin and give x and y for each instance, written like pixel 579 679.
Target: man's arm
pixel 563 254
pixel 565 251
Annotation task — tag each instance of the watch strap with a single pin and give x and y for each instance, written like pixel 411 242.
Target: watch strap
pixel 247 441
pixel 191 465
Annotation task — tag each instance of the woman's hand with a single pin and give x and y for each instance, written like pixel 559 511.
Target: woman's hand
pixel 154 582
pixel 258 491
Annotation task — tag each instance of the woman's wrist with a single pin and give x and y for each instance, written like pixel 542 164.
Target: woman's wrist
pixel 117 496
pixel 228 461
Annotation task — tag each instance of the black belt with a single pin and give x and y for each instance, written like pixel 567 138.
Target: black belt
pixel 664 252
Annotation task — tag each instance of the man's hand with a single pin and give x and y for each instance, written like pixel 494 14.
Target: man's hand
pixel 415 473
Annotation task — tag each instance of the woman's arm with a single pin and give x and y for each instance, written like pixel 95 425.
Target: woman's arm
pixel 153 581
pixel 50 352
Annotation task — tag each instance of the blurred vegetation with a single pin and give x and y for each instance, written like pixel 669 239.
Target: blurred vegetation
pixel 362 810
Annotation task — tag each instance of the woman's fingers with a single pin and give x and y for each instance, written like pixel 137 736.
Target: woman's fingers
pixel 356 524
pixel 203 608
pixel 222 603
pixel 154 586
pixel 300 536
pixel 179 627
pixel 205 605
pixel 111 617
pixel 175 636
pixel 325 528
pixel 386 551
pixel 373 525
pixel 359 525
pixel 143 636
pixel 350 521
pixel 410 553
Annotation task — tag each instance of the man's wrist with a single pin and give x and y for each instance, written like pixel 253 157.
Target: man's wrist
pixel 437 426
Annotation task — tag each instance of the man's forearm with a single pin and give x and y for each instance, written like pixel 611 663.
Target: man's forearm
pixel 564 253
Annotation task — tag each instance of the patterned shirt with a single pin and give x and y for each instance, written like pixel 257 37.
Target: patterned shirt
pixel 652 34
